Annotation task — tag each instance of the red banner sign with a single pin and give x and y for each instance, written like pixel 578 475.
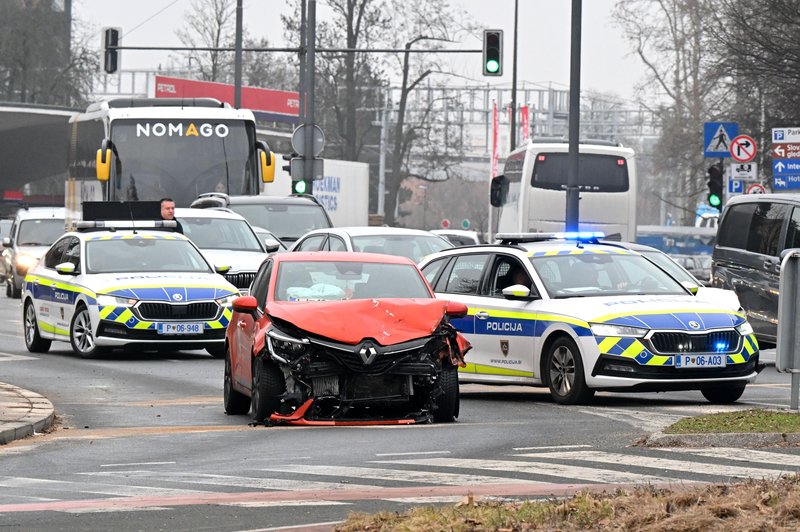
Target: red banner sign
pixel 263 100
pixel 523 122
pixel 495 124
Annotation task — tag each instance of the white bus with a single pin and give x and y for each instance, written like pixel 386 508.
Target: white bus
pixel 531 195
pixel 150 148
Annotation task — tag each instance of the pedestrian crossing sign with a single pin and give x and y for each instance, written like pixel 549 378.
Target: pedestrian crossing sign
pixel 717 137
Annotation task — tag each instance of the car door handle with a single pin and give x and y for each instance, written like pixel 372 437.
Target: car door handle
pixel 482 315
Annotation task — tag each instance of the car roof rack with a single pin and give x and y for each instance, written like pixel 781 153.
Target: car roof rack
pixel 591 237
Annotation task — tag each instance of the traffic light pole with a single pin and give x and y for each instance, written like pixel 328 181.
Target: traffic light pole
pixel 311 46
pixel 573 196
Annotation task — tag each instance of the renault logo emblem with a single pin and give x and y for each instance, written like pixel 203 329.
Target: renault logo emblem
pixel 177 297
pixel 367 352
pixel 694 325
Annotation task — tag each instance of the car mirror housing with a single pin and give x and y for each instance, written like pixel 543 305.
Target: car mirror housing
pixel 222 269
pixel 6 242
pixel 245 304
pixel 517 291
pixel 271 245
pixel 691 287
pixel 66 268
pixel 455 309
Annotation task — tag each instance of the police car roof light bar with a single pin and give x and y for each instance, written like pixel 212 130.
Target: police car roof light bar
pixel 115 225
pixel 580 236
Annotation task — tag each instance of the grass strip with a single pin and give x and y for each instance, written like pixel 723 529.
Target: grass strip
pixel 755 420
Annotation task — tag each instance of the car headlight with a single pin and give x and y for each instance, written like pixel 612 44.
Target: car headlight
pixel 744 328
pixel 603 329
pixel 226 301
pixel 284 346
pixel 104 300
pixel 25 261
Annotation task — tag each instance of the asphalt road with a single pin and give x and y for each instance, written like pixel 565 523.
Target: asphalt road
pixel 143 443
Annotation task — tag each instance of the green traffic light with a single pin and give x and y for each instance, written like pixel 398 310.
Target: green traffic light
pixel 300 187
pixel 714 200
pixel 492 66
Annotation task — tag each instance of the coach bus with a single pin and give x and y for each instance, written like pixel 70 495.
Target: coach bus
pixel 531 195
pixel 150 148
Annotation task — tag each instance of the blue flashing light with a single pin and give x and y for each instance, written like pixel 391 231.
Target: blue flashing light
pixel 721 346
pixel 581 235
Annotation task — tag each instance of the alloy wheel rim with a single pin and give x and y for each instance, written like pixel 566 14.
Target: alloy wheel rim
pixel 82 332
pixel 30 324
pixel 562 370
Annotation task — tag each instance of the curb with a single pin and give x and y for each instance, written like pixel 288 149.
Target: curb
pixel 724 439
pixel 23 413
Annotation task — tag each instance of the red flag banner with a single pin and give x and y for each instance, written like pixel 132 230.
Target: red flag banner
pixel 523 123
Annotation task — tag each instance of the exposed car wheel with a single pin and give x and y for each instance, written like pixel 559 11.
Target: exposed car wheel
pixel 216 350
pixel 81 335
pixel 564 370
pixel 268 387
pixel 12 290
pixel 723 394
pixel 235 403
pixel 8 288
pixel 446 406
pixel 33 341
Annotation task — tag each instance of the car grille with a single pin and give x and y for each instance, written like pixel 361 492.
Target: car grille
pixel 240 280
pixel 678 342
pixel 169 311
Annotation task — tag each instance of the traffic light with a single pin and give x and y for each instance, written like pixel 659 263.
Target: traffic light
pixel 715 187
pixel 288 157
pixel 111 39
pixel 300 186
pixel 492 52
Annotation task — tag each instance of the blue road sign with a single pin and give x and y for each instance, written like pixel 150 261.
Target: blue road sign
pixel 735 186
pixel 786 182
pixel 785 166
pixel 717 137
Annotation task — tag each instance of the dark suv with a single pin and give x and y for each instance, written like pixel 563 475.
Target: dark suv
pixel 288 217
pixel 753 231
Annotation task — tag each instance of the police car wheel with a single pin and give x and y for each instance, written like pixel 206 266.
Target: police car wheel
pixel 268 387
pixel 81 335
pixel 723 394
pixel 447 405
pixel 235 402
pixel 564 370
pixel 33 341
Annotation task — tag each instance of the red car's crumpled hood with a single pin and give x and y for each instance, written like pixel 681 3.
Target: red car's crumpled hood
pixel 387 321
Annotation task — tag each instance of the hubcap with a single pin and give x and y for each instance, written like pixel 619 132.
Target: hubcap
pixel 82 332
pixel 562 370
pixel 30 324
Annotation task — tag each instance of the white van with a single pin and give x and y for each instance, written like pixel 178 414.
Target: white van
pixel 33 231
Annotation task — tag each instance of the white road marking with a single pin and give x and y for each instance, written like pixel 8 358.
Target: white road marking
pixel 114 510
pixel 9 357
pixel 267 504
pixel 661 463
pixel 412 454
pixel 428 477
pixel 551 447
pixel 136 464
pixel 565 472
pixel 742 455
pixel 427 500
pixel 103 489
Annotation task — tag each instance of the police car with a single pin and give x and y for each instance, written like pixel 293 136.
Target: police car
pixel 571 313
pixel 109 285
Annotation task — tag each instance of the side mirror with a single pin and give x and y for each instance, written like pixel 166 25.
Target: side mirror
pixel 267 160
pixel 245 304
pixel 7 242
pixel 498 191
pixel 456 309
pixel 271 245
pixel 103 162
pixel 66 268
pixel 691 287
pixel 222 270
pixel 517 291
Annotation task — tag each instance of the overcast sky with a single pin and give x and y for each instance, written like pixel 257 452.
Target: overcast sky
pixel 544 37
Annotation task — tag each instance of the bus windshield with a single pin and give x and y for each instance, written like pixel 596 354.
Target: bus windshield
pixel 596 172
pixel 182 158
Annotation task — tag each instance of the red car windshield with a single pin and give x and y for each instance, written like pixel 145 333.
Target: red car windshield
pixel 337 281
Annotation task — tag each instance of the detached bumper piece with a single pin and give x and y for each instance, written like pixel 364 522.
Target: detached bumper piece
pixel 298 418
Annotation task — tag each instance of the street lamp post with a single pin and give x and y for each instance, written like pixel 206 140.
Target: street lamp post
pixel 424 189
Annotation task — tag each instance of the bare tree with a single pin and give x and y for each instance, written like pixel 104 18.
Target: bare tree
pixel 211 24
pixel 671 38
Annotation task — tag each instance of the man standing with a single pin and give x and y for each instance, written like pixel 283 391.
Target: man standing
pixel 168 212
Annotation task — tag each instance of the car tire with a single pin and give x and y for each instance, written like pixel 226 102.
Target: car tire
pixel 268 387
pixel 723 394
pixel 14 292
pixel 8 288
pixel 235 403
pixel 33 340
pixel 446 405
pixel 216 350
pixel 81 335
pixel 564 371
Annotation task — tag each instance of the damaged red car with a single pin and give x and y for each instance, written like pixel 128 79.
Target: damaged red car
pixel 343 339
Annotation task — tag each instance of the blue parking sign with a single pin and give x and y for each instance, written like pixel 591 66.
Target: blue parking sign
pixel 717 137
pixel 735 186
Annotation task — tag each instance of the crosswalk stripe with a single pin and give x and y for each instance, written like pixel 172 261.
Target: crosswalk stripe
pixel 540 468
pixel 232 481
pixel 102 489
pixel 428 477
pixel 742 455
pixel 659 463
